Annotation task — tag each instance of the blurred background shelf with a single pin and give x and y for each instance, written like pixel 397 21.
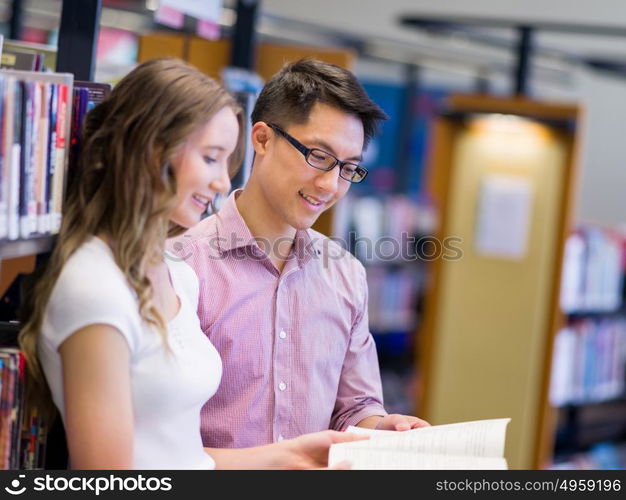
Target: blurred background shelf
pixel 24 247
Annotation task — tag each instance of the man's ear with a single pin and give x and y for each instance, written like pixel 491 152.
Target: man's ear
pixel 260 137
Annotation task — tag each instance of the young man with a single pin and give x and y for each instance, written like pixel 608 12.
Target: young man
pixel 285 307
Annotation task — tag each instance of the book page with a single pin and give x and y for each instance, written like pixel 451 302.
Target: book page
pixel 468 442
pixel 483 438
pixel 364 458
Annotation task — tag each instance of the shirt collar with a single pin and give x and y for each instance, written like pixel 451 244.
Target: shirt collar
pixel 233 233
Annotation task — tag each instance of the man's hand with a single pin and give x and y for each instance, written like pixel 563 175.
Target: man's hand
pixel 397 422
pixel 393 422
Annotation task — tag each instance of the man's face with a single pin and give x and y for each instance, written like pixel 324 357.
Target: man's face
pixel 294 191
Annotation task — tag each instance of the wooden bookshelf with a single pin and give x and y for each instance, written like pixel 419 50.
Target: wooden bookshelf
pixel 485 344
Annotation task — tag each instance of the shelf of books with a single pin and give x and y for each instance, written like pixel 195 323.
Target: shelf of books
pixel 32 186
pixel 389 235
pixel 35 132
pixel 41 118
pixel 588 380
pixel 34 147
pixel 22 431
pixel 27 56
pixel 41 115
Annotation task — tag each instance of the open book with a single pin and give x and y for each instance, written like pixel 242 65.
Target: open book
pixel 466 445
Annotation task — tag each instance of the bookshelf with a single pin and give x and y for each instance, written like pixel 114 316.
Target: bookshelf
pixel 41 141
pixel 36 119
pixel 75 57
pixel 384 231
pixel 35 145
pixel 485 346
pixel 393 208
pixel 588 379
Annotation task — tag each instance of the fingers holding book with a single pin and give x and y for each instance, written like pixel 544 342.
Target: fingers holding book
pixel 397 422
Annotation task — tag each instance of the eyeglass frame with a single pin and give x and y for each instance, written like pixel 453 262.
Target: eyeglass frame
pixel 307 151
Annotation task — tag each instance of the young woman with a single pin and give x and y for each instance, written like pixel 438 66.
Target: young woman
pixel 112 333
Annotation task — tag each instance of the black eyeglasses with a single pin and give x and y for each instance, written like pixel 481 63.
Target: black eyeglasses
pixel 320 159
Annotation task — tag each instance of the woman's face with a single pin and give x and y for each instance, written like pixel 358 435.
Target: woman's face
pixel 201 167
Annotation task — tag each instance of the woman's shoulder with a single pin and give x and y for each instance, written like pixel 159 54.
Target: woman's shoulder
pixel 91 275
pixel 92 265
pixel 91 289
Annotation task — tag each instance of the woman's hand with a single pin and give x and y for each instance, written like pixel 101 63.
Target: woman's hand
pixel 310 451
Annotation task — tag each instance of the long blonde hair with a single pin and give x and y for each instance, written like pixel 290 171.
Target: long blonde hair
pixel 124 186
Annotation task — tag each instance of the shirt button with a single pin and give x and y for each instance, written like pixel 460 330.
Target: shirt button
pixel 282 386
pixel 282 334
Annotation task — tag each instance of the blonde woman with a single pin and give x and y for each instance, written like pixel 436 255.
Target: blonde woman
pixel 112 333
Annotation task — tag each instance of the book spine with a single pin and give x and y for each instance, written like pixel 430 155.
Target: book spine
pixel 17 413
pixel 7 400
pixel 3 418
pixel 61 150
pixel 72 163
pixel 34 173
pixel 26 173
pixel 15 163
pixel 3 159
pixel 42 438
pixel 52 153
pixel 42 160
pixel 33 205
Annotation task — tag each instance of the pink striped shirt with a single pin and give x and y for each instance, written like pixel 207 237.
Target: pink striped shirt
pixel 297 353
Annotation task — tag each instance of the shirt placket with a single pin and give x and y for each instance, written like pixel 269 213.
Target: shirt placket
pixel 282 366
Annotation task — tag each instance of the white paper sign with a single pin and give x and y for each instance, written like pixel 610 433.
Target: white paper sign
pixel 208 10
pixel 504 211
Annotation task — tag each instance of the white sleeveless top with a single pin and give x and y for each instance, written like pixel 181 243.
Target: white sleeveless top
pixel 168 388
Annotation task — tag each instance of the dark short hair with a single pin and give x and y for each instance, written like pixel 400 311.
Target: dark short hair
pixel 290 94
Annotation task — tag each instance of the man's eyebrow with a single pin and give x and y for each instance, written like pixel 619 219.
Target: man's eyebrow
pixel 324 145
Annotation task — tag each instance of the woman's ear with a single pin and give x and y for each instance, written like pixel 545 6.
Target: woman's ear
pixel 260 137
